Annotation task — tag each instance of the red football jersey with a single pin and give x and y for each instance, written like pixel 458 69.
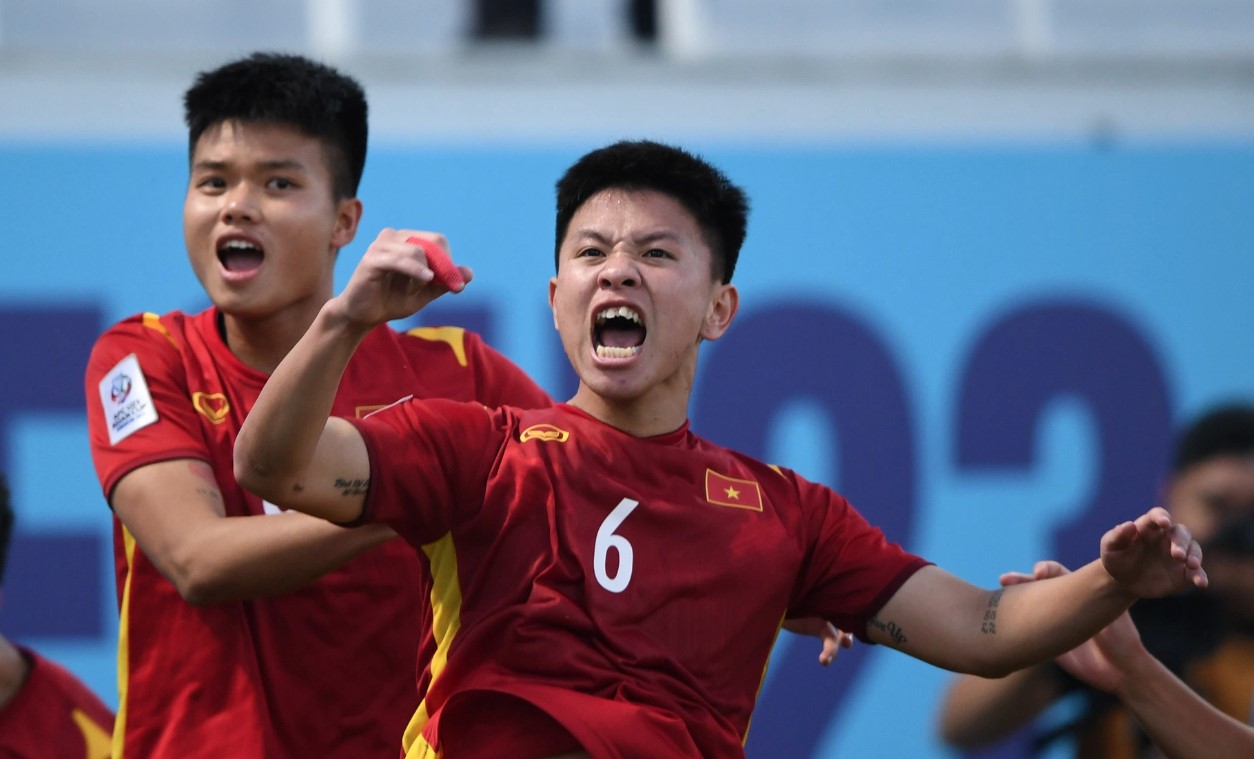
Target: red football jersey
pixel 54 716
pixel 317 672
pixel 629 588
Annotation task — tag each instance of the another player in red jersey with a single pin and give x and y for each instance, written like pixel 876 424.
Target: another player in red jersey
pixel 248 630
pixel 45 711
pixel 607 583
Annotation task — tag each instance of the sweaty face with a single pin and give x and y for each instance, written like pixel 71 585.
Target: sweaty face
pixel 634 295
pixel 260 220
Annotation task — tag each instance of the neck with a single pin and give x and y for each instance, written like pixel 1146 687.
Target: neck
pixel 639 417
pixel 261 343
pixel 13 671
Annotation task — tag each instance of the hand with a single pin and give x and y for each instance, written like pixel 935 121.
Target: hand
pixel 832 638
pixel 1101 660
pixel 1153 556
pixel 392 280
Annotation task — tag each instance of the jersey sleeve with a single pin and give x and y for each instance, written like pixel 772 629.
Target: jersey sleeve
pixel 499 381
pixel 138 408
pixel 429 464
pixel 851 568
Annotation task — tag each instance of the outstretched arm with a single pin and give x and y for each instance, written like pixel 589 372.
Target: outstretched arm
pixel 941 619
pixel 290 450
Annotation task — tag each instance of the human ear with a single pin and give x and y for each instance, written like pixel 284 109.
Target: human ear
pixel 347 216
pixel 553 299
pixel 724 303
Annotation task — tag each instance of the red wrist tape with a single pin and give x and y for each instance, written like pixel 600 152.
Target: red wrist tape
pixel 439 263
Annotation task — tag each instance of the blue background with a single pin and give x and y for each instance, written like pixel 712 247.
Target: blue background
pixel 987 347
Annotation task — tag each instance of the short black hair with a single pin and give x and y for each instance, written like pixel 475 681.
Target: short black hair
pixel 6 526
pixel 290 90
pixel 1226 430
pixel 720 208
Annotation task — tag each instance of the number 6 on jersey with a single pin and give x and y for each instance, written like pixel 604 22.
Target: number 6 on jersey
pixel 606 539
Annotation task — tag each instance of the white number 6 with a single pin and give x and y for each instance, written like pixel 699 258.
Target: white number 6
pixel 606 539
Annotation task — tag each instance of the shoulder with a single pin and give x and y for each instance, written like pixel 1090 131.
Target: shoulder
pixel 451 342
pixel 48 674
pixel 147 332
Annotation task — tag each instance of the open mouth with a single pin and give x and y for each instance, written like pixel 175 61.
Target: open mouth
pixel 240 256
pixel 618 332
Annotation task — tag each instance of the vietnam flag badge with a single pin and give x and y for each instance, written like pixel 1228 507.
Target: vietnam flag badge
pixel 729 491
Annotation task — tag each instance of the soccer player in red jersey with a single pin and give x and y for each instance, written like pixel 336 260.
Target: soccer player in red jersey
pixel 248 630
pixel 607 583
pixel 45 711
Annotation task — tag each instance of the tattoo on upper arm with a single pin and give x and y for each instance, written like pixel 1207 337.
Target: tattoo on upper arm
pixel 352 487
pixel 211 493
pixel 208 486
pixel 989 626
pixel 894 632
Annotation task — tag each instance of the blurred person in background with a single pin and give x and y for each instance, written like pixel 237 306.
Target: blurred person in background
pixel 45 711
pixel 1204 636
pixel 248 630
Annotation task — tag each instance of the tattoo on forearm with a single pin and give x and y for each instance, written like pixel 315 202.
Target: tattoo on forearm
pixel 352 487
pixel 894 632
pixel 989 626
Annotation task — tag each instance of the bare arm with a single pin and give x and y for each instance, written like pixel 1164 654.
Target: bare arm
pixel 289 449
pixel 941 619
pixel 174 509
pixel 1177 719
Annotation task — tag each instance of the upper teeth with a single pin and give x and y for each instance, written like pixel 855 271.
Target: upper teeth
pixel 242 244
pixel 622 312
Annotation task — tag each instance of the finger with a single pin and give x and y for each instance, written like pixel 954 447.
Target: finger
pixel 440 264
pixel 1015 578
pixel 1153 520
pixel 1194 557
pixel 1121 536
pixel 1048 568
pixel 1183 546
pixel 1198 577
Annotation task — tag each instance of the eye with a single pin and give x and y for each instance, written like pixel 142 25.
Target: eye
pixel 588 253
pixel 657 253
pixel 212 183
pixel 280 183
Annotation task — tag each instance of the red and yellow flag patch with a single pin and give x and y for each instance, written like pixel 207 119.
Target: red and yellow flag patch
pixel 729 491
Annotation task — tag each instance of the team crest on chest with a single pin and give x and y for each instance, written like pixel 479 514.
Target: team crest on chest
pixel 212 406
pixel 545 433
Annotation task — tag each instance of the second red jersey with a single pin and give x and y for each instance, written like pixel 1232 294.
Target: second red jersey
pixel 317 672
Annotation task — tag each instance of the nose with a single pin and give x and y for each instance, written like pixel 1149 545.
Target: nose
pixel 619 270
pixel 239 205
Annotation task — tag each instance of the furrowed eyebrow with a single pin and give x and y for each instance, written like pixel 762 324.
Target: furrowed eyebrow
pixel 646 239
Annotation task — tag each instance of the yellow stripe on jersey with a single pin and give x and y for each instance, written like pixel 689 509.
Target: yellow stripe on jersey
pixel 454 336
pixel 153 321
pixel 422 750
pixel 446 620
pixel 124 618
pixel 744 739
pixel 94 736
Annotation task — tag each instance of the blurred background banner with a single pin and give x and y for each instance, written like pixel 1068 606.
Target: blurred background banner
pixel 998 253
